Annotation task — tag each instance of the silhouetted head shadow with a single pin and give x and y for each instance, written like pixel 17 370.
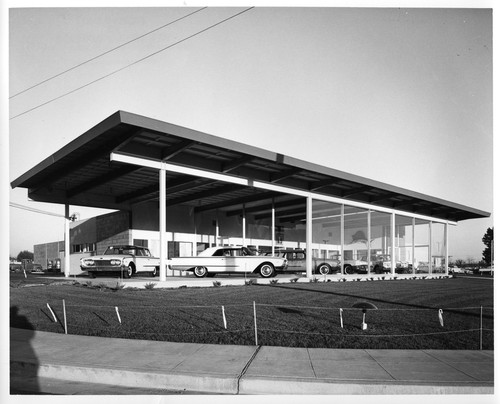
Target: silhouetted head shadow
pixel 23 361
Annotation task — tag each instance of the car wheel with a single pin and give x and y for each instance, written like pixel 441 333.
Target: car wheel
pixel 200 272
pixel 154 272
pixel 127 273
pixel 267 270
pixel 349 270
pixel 91 274
pixel 324 269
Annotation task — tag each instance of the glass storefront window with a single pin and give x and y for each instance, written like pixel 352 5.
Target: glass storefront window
pixel 403 240
pixel 380 243
pixel 356 243
pixel 422 238
pixel 326 234
pixel 438 250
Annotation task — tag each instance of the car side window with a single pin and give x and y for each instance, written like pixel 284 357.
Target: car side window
pixel 219 253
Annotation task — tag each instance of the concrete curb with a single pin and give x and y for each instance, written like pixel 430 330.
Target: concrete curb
pixel 131 378
pixel 247 385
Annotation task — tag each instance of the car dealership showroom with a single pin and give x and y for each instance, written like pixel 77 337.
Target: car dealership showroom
pixel 178 192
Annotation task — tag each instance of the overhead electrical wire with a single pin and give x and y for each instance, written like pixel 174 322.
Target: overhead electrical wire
pixel 19 206
pixel 132 64
pixel 105 53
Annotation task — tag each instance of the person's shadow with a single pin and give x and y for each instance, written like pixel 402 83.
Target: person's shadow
pixel 23 361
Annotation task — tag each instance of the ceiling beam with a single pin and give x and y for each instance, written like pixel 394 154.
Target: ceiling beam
pixel 284 174
pixel 281 214
pixel 169 152
pixel 205 194
pixel 101 180
pixel 263 207
pixel 233 165
pixel 236 201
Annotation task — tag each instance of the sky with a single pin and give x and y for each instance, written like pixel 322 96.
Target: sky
pixel 398 95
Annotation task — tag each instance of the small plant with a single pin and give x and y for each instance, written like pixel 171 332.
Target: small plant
pixel 383 277
pixel 343 280
pixel 273 281
pixel 150 285
pixel 183 287
pixel 217 284
pixel 293 280
pixel 251 282
pixel 88 284
pixel 314 279
pixel 358 279
pixel 118 286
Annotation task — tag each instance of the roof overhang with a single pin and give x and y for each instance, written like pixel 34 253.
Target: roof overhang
pixel 83 173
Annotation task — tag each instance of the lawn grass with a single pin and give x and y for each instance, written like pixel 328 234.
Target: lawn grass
pixel 294 314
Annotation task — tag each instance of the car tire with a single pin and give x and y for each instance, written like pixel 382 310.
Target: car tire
pixel 266 270
pixel 127 273
pixel 349 270
pixel 200 272
pixel 324 269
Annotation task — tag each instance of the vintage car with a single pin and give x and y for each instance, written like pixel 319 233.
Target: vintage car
pixel 355 266
pixel 216 260
pixel 297 262
pixel 125 259
pixel 379 263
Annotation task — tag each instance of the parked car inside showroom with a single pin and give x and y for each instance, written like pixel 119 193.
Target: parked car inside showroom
pixel 127 260
pixel 216 260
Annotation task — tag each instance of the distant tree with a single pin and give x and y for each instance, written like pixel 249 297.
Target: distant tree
pixel 488 241
pixel 459 262
pixel 25 255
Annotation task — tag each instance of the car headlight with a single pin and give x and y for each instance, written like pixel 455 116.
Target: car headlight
pixel 88 263
pixel 116 262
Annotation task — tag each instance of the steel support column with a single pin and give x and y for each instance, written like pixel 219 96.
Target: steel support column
pixel 309 237
pixel 446 251
pixel 163 224
pixel 342 210
pixel 393 243
pixel 67 251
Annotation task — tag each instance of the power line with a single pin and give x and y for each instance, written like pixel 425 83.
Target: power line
pixel 28 208
pixel 105 53
pixel 132 64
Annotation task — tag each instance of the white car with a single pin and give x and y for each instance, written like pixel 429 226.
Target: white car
pixel 125 259
pixel 216 260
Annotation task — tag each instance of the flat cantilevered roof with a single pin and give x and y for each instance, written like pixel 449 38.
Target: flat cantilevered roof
pixel 81 173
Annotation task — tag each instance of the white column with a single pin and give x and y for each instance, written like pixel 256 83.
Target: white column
pixel 66 241
pixel 393 243
pixel 163 224
pixel 217 229
pixel 413 245
pixel 273 230
pixel 446 251
pixel 369 236
pixel 244 225
pixel 342 210
pixel 430 248
pixel 309 237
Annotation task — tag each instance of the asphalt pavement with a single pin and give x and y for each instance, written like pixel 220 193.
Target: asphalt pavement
pixel 155 367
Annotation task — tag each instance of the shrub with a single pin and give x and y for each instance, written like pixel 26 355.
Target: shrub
pixel 293 280
pixel 273 281
pixel 251 282
pixel 150 285
pixel 217 284
pixel 313 279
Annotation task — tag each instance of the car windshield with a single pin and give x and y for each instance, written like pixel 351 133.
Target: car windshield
pixel 120 251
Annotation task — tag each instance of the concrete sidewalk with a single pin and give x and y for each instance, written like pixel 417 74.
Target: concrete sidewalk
pixel 230 369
